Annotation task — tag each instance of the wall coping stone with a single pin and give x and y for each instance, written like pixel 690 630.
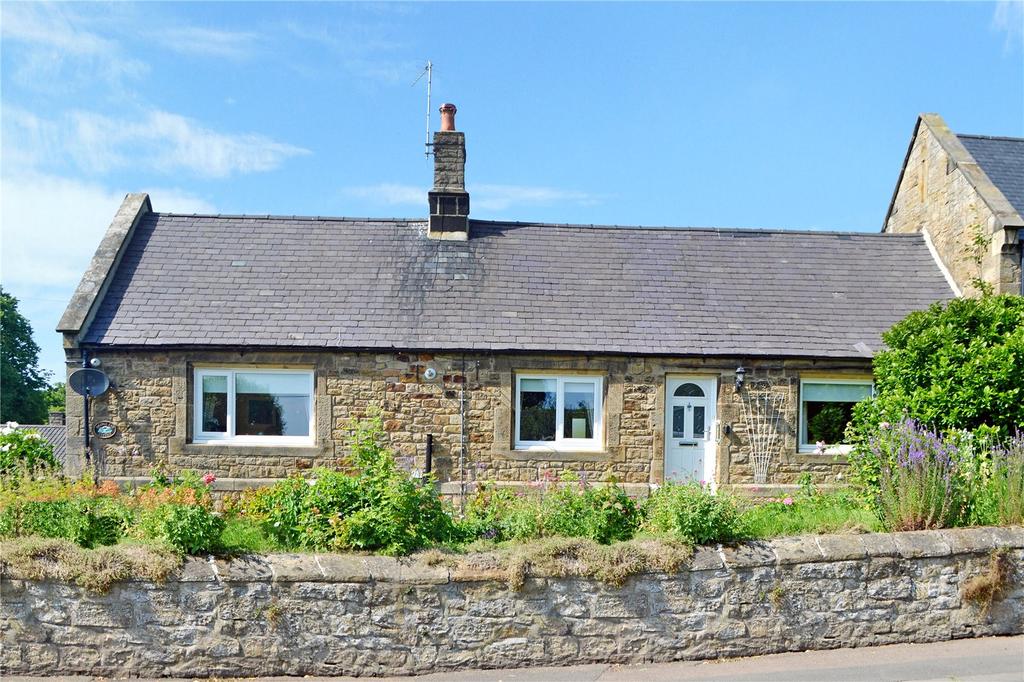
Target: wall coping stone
pixel 360 568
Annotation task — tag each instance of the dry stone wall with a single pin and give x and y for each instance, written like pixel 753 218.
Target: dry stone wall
pixel 470 401
pixel 359 615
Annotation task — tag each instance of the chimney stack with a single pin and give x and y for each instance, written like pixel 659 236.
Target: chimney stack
pixel 449 202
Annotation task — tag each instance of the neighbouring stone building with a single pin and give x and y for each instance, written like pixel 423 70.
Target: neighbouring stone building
pixel 965 194
pixel 246 345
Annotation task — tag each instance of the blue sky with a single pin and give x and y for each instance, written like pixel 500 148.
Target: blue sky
pixel 793 115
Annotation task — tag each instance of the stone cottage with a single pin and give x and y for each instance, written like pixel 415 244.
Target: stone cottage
pixel 245 345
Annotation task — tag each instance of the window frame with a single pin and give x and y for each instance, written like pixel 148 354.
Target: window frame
pixel 228 437
pixel 562 444
pixel 831 448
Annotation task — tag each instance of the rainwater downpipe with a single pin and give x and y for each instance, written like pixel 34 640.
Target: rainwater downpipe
pixel 462 450
pixel 85 413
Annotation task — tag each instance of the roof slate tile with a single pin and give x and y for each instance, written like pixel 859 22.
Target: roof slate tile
pixel 358 283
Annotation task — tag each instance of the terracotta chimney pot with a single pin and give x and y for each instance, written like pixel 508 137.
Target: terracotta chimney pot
pixel 448 116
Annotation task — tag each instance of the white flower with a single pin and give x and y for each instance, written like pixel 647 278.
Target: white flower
pixel 5 447
pixel 12 425
pixel 33 435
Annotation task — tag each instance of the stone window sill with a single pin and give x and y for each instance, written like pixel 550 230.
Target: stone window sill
pixel 557 455
pixel 179 446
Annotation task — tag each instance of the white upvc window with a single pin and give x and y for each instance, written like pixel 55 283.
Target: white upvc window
pixel 826 407
pixel 253 406
pixel 558 412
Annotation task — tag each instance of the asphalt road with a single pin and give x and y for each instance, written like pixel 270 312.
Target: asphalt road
pixel 988 659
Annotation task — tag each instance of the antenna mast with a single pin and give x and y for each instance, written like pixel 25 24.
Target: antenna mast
pixel 429 70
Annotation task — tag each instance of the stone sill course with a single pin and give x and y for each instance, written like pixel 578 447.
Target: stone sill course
pixel 347 614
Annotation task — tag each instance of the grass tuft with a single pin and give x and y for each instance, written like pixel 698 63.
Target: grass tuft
pixel 987 587
pixel 571 557
pixel 35 558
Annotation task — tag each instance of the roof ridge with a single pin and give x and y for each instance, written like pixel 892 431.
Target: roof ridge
pixel 1004 138
pixel 267 216
pixel 532 223
pixel 683 228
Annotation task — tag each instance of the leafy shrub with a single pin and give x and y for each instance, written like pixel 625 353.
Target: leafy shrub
pixel 24 452
pixel 693 513
pixel 178 512
pixel 376 506
pixel 602 513
pixel 502 514
pixel 81 512
pixel 188 528
pixel 574 509
pixel 958 366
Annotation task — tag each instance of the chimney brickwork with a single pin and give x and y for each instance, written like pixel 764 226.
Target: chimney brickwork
pixel 449 201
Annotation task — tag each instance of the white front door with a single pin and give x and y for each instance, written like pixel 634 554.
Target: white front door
pixel 690 428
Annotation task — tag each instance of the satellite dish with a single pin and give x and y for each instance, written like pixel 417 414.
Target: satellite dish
pixel 88 381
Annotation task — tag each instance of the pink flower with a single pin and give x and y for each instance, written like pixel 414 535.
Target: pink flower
pixel 820 447
pixel 788 501
pixel 208 479
pixel 884 426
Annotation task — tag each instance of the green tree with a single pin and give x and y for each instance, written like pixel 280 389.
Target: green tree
pixel 55 396
pixel 21 381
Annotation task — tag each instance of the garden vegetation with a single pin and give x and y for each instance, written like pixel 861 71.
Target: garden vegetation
pixel 938 446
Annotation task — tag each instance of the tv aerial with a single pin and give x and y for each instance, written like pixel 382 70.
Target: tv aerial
pixel 427 71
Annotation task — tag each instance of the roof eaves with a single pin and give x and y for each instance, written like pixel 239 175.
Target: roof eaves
pixel 94 283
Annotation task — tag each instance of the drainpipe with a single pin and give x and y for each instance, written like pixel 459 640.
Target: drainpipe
pixel 462 449
pixel 85 413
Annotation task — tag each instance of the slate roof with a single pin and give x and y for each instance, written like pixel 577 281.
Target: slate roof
pixel 1002 159
pixel 252 281
pixel 55 434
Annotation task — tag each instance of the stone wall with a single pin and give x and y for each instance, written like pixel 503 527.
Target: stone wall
pixel 470 400
pixel 941 194
pixel 359 615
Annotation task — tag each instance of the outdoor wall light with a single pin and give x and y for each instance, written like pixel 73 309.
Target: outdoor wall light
pixel 740 371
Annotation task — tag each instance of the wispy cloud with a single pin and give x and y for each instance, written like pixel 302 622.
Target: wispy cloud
pixel 57 50
pixel 389 194
pixel 501 197
pixel 360 49
pixel 486 196
pixel 1008 18
pixel 208 42
pixel 73 216
pixel 50 227
pixel 158 140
